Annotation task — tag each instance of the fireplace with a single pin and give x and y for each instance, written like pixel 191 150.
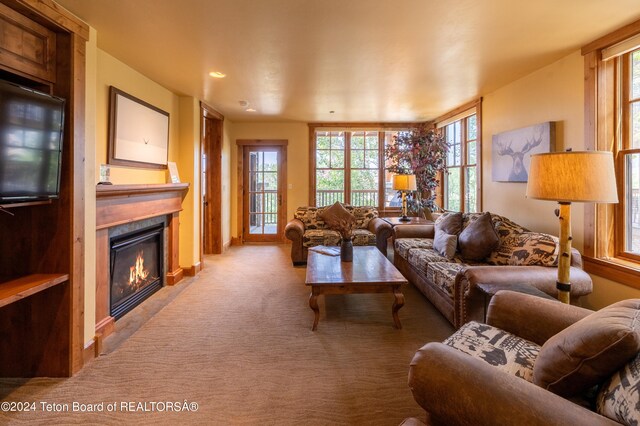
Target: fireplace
pixel 136 268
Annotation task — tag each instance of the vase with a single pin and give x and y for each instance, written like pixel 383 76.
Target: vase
pixel 346 251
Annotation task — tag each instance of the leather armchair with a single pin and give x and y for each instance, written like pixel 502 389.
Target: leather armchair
pixel 457 389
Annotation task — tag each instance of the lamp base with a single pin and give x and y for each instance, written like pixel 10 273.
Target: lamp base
pixel 404 219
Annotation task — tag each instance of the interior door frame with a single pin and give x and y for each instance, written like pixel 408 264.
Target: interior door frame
pixel 282 211
pixel 211 217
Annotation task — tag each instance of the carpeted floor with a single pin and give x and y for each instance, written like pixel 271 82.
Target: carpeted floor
pixel 237 341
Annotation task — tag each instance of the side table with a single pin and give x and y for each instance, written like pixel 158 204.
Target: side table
pixel 489 290
pixel 395 220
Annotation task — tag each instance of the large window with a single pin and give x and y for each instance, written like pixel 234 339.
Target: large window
pixel 612 97
pixel 350 167
pixel 629 157
pixel 461 179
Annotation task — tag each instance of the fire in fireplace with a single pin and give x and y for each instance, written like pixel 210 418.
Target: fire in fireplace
pixel 136 268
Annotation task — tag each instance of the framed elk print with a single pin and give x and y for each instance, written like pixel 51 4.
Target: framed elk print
pixel 138 132
pixel 511 151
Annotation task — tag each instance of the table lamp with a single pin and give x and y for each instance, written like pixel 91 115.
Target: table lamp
pixel 566 177
pixel 404 183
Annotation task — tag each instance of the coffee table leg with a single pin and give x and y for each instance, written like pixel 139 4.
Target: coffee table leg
pixel 313 303
pixel 397 304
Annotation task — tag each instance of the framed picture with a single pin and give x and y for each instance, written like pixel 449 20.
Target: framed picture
pixel 511 151
pixel 138 132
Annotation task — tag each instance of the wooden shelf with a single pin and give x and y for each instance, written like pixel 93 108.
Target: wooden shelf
pixel 12 291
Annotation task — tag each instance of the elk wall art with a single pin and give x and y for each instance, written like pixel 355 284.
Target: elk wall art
pixel 511 151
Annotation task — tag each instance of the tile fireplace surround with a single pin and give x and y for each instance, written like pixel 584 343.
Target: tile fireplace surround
pixel 124 204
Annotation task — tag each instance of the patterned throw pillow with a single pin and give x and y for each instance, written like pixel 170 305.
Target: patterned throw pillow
pixel 505 351
pixel 525 248
pixel 619 397
pixel 364 215
pixel 309 217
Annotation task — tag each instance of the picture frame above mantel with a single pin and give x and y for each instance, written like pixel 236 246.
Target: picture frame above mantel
pixel 138 132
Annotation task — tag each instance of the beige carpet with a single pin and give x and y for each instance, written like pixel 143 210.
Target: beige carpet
pixel 237 341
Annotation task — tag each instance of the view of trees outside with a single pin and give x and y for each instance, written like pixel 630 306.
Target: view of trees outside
pixel 263 192
pixel 363 150
pixel 461 177
pixel 632 190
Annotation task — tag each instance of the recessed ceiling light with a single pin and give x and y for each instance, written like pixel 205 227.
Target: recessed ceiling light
pixel 331 112
pixel 217 74
pixel 243 103
pixel 250 110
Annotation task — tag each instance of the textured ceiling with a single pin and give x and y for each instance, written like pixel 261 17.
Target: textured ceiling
pixel 367 60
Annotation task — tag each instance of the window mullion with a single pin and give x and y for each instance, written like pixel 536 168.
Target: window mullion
pixel 347 167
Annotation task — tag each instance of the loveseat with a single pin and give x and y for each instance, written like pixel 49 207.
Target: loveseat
pixel 535 362
pixel 308 229
pixel 517 256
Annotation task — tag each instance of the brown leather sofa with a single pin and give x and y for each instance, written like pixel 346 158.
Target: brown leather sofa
pixel 458 388
pixel 451 284
pixel 308 229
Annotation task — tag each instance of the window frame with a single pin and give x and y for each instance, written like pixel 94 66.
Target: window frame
pixel 462 115
pixel 607 128
pixel 349 128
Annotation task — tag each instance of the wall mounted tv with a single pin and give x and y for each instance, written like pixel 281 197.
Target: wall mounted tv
pixel 31 129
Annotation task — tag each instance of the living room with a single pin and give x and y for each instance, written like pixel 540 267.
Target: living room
pixel 518 65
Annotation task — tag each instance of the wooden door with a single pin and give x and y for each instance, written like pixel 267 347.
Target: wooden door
pixel 211 183
pixel 263 191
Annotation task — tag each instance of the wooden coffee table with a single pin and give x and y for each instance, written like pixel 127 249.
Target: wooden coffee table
pixel 370 272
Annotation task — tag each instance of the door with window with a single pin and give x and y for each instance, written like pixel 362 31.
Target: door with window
pixel 264 209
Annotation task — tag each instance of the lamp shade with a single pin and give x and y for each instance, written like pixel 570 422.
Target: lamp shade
pixel 573 176
pixel 404 182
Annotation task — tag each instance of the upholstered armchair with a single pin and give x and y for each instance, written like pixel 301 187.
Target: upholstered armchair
pixel 308 229
pixel 535 362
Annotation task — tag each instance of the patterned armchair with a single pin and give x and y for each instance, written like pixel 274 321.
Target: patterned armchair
pixel 307 229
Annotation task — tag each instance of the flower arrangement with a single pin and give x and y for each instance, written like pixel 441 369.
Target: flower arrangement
pixel 345 228
pixel 422 152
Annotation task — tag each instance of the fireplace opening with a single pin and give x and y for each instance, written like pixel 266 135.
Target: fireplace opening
pixel 136 268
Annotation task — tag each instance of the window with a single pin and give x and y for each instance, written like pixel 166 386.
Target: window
pixel 629 158
pixel 612 123
pixel 350 167
pixel 461 186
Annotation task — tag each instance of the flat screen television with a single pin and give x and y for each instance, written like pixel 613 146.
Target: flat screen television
pixel 31 138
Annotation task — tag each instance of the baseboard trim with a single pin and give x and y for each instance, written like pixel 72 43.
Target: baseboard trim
pixel 175 277
pixel 193 270
pixel 236 241
pixel 105 327
pixel 90 351
pixel 226 246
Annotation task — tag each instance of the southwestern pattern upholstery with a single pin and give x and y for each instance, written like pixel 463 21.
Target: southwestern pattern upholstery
pixel 505 351
pixel 522 257
pixel 459 381
pixel 307 229
pixel 619 397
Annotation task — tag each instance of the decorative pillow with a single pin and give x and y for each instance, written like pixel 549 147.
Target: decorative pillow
pixel 525 248
pixel 309 217
pixel 445 244
pixel 363 215
pixel 618 397
pixel 478 239
pixel 450 222
pixel 589 351
pixel 505 351
pixel 332 215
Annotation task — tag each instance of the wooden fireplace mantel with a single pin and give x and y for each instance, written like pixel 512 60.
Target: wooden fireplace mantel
pixel 120 204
